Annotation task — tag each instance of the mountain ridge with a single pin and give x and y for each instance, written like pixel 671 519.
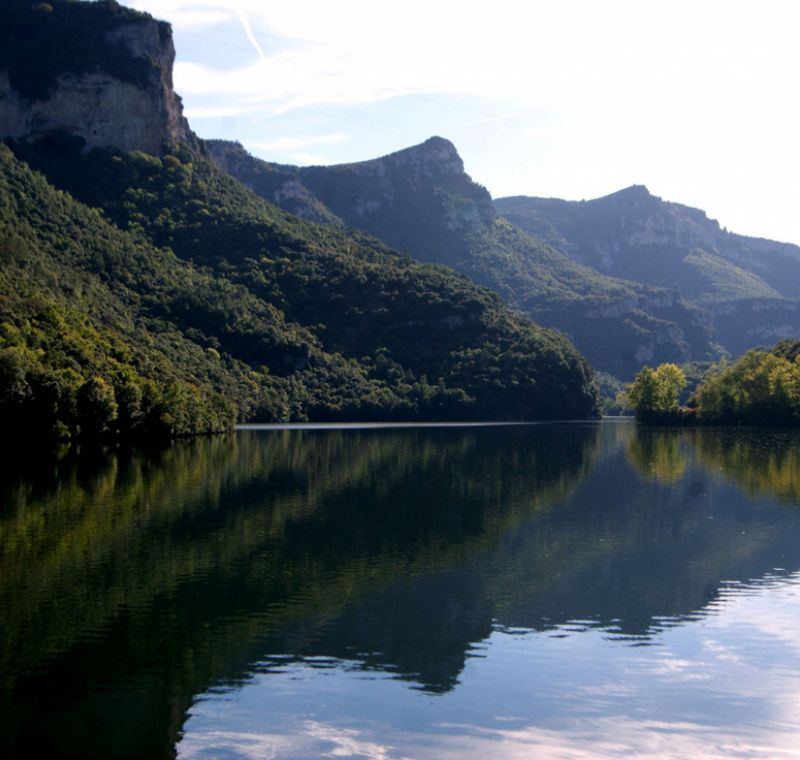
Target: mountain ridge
pixel 750 285
pixel 183 268
pixel 420 201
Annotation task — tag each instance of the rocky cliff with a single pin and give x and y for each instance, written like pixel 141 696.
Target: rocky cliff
pixel 112 86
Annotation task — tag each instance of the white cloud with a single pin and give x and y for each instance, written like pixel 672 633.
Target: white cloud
pixel 292 143
pixel 248 32
pixel 697 100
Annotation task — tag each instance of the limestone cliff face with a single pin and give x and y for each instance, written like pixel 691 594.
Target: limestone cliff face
pixel 757 322
pixel 101 108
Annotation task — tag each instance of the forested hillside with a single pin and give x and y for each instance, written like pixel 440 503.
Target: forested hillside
pixel 750 286
pixel 274 320
pixel 421 201
pixel 145 290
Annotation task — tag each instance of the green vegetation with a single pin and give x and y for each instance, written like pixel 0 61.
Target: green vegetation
pixel 259 317
pixel 654 394
pixel 611 388
pixel 760 388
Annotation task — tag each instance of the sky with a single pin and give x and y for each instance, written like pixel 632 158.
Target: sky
pixel 698 100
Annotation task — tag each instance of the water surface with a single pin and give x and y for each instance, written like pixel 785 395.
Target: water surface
pixel 559 590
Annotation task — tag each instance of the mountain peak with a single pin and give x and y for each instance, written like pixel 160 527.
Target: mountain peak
pixel 436 153
pixel 632 192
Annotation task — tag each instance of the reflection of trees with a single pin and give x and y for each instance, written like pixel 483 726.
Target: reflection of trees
pixel 762 462
pixel 178 570
pixel 658 454
pixel 626 551
pixel 182 563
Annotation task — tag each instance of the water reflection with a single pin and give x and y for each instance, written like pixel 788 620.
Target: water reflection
pixel 763 462
pixel 132 581
pixel 658 454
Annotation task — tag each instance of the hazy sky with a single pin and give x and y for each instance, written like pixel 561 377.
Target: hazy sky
pixel 700 100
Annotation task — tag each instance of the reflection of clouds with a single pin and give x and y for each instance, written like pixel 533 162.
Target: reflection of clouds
pixel 601 739
pixel 687 670
pixel 722 651
pixel 605 739
pixel 311 739
pixel 725 685
pixel 346 742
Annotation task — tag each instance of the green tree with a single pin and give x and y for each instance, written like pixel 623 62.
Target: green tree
pixel 654 393
pixel 97 407
pixel 761 388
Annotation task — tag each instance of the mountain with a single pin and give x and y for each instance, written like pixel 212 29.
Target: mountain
pixel 132 266
pixel 421 201
pixel 98 70
pixel 750 286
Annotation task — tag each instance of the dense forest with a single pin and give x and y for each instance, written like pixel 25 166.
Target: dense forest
pixel 421 201
pixel 762 387
pixel 172 300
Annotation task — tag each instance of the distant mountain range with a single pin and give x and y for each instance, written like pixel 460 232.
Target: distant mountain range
pixel 631 279
pixel 751 286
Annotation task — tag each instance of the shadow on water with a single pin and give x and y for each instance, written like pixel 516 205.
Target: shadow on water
pixel 131 581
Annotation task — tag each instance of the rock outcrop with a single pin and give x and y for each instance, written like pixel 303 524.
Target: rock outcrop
pixel 133 106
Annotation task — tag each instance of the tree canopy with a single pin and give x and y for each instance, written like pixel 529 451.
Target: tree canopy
pixel 654 393
pixel 762 387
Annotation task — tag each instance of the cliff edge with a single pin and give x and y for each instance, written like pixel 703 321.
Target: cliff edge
pixel 96 70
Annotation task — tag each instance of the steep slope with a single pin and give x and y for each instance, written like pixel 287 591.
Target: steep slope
pixel 170 262
pixel 421 201
pixel 750 285
pixel 419 339
pixel 100 331
pixel 97 70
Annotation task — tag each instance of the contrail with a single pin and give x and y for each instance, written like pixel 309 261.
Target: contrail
pixel 248 31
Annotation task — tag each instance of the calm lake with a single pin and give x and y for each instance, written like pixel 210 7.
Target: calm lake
pixel 523 591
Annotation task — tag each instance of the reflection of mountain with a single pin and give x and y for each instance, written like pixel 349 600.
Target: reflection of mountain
pixel 149 579
pixel 155 576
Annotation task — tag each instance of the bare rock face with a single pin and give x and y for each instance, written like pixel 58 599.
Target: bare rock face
pixel 101 108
